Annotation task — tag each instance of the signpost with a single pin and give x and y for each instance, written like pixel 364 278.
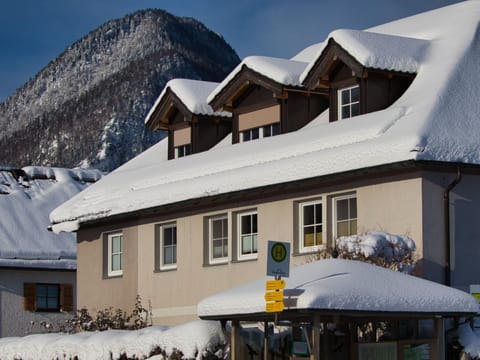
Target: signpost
pixel 278 265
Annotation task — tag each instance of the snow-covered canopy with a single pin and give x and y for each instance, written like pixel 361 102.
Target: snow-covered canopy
pixel 336 285
pixel 435 119
pixel 26 197
pixel 193 94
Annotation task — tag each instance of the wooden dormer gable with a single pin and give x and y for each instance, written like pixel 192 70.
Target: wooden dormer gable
pixel 188 132
pixel 167 110
pixel 243 80
pixel 263 107
pixel 353 88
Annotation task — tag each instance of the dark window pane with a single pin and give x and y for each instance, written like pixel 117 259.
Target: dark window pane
pixel 342 209
pixel 246 135
pixel 246 224
pixel 345 112
pixel 217 229
pixel 41 290
pixel 355 94
pixel 52 290
pixel 41 302
pixel 308 215
pixel 345 96
pixel 353 208
pixel 355 109
pixel 275 129
pixel 52 303
pixel 318 213
pixel 255 133
pixel 267 131
pixel 254 223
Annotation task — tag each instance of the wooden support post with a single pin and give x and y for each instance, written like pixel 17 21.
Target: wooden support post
pixel 315 354
pixel 265 340
pixel 440 335
pixel 234 341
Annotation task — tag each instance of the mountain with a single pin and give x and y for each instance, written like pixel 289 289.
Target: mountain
pixel 87 106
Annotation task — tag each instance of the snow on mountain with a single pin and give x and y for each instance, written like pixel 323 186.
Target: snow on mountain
pixel 89 103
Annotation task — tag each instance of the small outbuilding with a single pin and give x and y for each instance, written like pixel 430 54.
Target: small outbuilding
pixel 344 309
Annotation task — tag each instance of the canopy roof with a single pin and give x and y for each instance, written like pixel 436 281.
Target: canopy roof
pixel 344 286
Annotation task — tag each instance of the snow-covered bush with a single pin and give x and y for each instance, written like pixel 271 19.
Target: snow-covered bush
pixel 396 252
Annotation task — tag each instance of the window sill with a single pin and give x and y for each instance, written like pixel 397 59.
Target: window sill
pixel 167 269
pixel 106 277
pixel 241 260
pixel 216 263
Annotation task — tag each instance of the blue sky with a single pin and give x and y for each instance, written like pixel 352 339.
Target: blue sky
pixel 33 32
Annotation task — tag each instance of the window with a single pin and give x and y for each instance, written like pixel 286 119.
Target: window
pixel 271 130
pixel 260 132
pixel 115 254
pixel 48 297
pixel 311 225
pixel 348 102
pixel 183 150
pixel 166 247
pixel 247 235
pixel 218 239
pixel 345 215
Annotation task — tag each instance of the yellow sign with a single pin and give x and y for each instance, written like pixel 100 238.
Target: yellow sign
pixel 276 306
pixel 275 285
pixel 274 296
pixel 476 296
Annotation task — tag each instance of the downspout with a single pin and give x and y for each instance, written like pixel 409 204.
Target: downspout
pixel 446 204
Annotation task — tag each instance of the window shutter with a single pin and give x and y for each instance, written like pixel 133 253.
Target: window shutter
pixel 29 303
pixel 66 297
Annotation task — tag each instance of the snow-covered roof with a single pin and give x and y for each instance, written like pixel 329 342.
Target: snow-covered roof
pixel 282 71
pixel 344 285
pixel 375 50
pixel 435 119
pixel 193 94
pixel 26 197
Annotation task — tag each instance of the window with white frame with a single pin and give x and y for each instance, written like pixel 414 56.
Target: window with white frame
pixel 115 254
pixel 182 150
pixel 260 132
pixel 348 102
pixel 247 235
pixel 311 225
pixel 166 247
pixel 218 239
pixel 345 215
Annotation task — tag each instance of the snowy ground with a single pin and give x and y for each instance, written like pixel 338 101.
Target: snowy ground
pixel 193 339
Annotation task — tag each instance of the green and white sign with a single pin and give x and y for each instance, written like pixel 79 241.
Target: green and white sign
pixel 278 260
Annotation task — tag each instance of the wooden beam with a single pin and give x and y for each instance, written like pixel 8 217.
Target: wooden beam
pixel 315 354
pixel 265 340
pixel 234 341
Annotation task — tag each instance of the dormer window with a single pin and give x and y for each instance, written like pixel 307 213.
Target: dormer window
pixel 260 132
pixel 182 150
pixel 182 139
pixel 348 102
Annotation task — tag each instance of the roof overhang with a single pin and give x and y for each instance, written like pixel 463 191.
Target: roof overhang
pixel 198 205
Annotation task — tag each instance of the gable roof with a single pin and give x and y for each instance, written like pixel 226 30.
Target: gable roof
pixel 348 286
pixel 368 50
pixel 282 72
pixel 26 197
pixel 435 119
pixel 191 94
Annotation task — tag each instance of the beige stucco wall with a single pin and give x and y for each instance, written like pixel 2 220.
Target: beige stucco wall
pixel 96 292
pixel 394 206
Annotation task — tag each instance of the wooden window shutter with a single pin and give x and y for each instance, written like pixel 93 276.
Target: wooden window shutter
pixel 66 297
pixel 29 298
